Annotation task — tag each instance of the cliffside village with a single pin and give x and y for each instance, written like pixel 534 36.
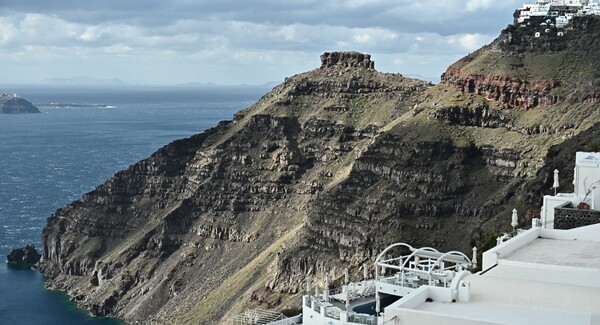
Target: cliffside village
pixel 555 13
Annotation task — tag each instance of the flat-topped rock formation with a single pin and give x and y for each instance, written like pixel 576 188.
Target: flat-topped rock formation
pixel 346 60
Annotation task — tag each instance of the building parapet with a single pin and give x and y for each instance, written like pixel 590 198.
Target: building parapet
pixel 570 218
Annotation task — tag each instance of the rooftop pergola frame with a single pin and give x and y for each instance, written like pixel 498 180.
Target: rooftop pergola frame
pixel 423 263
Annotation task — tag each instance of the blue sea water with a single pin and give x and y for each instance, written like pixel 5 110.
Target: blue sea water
pixel 48 160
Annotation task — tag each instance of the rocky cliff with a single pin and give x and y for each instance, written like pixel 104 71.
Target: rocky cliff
pixel 532 65
pixel 320 174
pixel 13 104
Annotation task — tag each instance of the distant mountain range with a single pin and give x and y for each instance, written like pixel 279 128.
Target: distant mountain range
pixel 89 81
pixel 82 80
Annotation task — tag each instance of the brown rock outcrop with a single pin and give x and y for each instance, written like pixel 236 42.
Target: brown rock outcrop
pixel 510 92
pixel 346 60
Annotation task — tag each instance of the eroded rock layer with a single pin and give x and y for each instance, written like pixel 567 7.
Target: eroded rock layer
pixel 508 91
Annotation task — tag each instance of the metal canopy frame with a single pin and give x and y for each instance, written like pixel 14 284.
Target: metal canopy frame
pixel 425 261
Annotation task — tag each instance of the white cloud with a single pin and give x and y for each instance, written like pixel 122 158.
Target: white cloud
pixel 7 31
pixel 118 49
pixel 90 34
pixel 362 38
pixel 469 42
pixel 474 5
pixel 372 36
pixel 362 3
pixel 46 29
pixel 292 33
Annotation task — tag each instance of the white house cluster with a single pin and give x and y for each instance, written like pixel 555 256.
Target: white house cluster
pixel 558 14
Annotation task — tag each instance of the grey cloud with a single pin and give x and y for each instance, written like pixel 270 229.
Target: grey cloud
pixel 444 17
pixel 243 33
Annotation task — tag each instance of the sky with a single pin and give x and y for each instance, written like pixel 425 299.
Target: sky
pixel 232 42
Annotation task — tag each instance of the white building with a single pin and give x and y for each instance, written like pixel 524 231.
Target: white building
pixel 400 270
pixel 560 12
pixel 541 276
pixel 586 184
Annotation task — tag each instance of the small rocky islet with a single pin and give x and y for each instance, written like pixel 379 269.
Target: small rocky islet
pixel 26 255
pixel 323 172
pixel 13 104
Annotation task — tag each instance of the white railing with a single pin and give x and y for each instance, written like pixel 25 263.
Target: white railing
pixel 260 317
pixel 361 319
pixel 332 312
pixel 353 291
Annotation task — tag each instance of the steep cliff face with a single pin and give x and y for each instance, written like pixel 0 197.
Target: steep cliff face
pixel 320 174
pixel 157 242
pixel 532 65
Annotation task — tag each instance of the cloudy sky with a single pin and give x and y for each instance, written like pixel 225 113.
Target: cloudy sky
pixel 235 41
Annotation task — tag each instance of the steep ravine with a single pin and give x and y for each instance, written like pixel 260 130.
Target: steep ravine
pixel 320 174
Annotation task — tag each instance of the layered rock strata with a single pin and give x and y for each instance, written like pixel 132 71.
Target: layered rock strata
pixel 510 92
pixel 346 60
pixel 320 174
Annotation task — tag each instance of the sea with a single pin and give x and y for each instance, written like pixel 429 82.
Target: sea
pixel 83 136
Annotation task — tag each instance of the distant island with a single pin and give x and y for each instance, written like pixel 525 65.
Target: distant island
pixel 13 104
pixel 83 80
pixel 74 105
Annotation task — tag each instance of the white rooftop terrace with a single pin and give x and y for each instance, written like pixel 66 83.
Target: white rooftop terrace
pixel 542 276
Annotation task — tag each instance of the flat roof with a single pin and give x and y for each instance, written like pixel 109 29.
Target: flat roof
pixel 557 252
pixel 505 314
pixel 506 300
pixel 568 262
pixel 546 281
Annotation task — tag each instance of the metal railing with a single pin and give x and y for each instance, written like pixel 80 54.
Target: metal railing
pixel 260 317
pixel 353 291
pixel 335 313
pixel 332 312
pixel 362 319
